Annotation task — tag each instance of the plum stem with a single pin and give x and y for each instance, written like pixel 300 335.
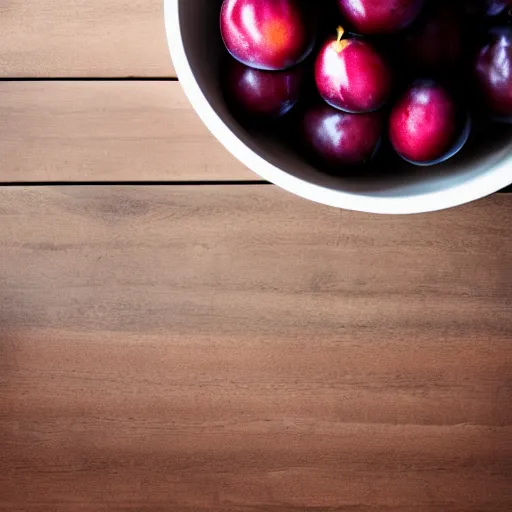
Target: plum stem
pixel 339 45
pixel 341 31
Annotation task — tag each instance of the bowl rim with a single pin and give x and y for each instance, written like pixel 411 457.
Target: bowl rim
pixel 476 187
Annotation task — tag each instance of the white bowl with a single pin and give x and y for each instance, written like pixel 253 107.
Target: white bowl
pixel 196 50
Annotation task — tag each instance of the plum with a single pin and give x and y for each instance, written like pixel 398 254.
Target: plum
pixel 435 43
pixel 262 94
pixel 341 139
pixel 351 75
pixel 493 71
pixel 267 34
pixel 380 16
pixel 424 124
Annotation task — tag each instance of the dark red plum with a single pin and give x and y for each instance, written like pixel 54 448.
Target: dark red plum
pixel 351 75
pixel 339 138
pixel 267 34
pixel 424 123
pixel 380 16
pixel 435 42
pixel 258 93
pixel 493 70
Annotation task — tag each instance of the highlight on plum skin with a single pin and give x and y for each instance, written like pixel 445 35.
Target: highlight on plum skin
pixel 475 10
pixel 493 71
pixel 351 75
pixel 268 35
pixel 339 139
pixel 424 123
pixel 262 94
pixel 380 16
pixel 498 7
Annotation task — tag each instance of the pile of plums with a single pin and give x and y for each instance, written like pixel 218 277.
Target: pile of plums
pixel 417 74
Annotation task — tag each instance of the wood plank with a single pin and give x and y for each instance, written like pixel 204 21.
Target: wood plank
pixel 236 348
pixel 83 38
pixel 82 131
pixel 107 131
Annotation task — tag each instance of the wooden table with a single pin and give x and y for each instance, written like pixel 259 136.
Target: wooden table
pixel 214 345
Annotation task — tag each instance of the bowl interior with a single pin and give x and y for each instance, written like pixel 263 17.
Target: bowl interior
pixel 199 26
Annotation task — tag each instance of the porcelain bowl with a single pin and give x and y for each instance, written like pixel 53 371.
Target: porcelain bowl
pixel 197 52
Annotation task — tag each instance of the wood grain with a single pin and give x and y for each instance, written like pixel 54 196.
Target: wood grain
pixel 236 348
pixel 107 131
pixel 83 38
